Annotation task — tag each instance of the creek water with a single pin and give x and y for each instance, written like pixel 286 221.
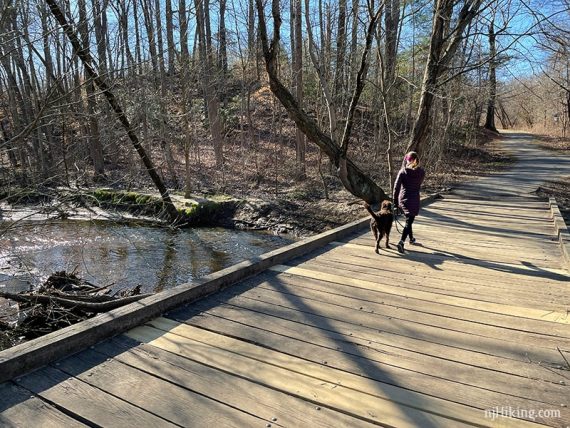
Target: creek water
pixel 125 256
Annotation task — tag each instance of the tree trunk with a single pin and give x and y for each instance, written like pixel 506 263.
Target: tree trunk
pixel 124 28
pixel 99 36
pixel 183 22
pixel 149 24
pixel 354 180
pixel 441 51
pixel 297 79
pixel 95 147
pixel 251 39
pixel 490 120
pixel 340 53
pixel 170 38
pixel 138 45
pixel 208 79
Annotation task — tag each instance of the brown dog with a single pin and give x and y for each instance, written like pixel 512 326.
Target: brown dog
pixel 381 223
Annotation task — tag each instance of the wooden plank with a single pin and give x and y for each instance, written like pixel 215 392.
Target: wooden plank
pixel 482 210
pixel 389 341
pixel 475 234
pixel 270 405
pixel 478 223
pixel 379 323
pixel 537 249
pixel 390 259
pixel 461 267
pixel 504 218
pixel 552 283
pixel 324 394
pixel 469 286
pixel 510 203
pixel 85 402
pixel 292 290
pixel 485 284
pixel 434 376
pixel 533 332
pixel 359 391
pixel 177 405
pixel 491 260
pixel 481 231
pixel 552 262
pixel 19 408
pixel 480 238
pixel 473 224
pixel 539 314
pixel 461 248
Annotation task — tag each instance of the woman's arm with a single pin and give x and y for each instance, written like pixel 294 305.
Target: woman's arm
pixel 397 187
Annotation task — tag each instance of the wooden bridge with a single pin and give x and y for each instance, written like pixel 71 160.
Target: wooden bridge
pixel 471 328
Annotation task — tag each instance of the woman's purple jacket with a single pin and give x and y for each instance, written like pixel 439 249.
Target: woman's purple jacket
pixel 407 189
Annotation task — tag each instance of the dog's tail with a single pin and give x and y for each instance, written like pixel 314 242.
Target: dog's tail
pixel 371 212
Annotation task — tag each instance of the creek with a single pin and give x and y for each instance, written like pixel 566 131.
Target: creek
pixel 125 256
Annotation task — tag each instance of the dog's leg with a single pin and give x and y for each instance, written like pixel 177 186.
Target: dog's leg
pixel 374 230
pixel 380 236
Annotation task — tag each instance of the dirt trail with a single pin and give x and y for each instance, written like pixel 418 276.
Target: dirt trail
pixel 532 167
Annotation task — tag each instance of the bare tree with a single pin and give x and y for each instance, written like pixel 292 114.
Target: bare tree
pixel 490 118
pixel 83 53
pixel 444 40
pixel 354 180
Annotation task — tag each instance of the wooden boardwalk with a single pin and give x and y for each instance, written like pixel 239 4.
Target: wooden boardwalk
pixel 469 329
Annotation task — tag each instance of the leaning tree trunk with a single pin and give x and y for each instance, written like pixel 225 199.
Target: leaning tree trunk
pixel 354 180
pixel 84 55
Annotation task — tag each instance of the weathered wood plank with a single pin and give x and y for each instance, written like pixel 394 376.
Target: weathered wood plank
pixel 86 402
pixel 539 314
pixel 323 393
pixel 469 286
pixel 372 298
pixel 170 403
pixel 268 404
pixel 446 262
pixel 20 408
pixel 388 342
pixel 459 248
pixel 524 267
pixel 369 393
pixel 434 376
pixel 379 323
pixel 492 272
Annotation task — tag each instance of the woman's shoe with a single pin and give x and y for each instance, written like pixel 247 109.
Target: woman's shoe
pixel 401 247
pixel 413 241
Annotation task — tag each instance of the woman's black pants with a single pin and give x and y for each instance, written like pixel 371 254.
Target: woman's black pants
pixel 408 228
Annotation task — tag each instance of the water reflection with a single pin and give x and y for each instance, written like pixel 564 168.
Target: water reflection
pixel 125 256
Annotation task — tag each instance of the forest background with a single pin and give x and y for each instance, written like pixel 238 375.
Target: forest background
pixel 191 79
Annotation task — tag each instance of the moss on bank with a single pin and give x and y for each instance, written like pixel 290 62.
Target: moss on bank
pixel 215 210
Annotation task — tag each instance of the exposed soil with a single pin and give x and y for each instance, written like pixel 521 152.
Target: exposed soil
pixel 560 145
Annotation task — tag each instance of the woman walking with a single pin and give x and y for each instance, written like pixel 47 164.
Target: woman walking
pixel 407 194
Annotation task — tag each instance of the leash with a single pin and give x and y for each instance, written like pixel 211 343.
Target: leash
pixel 396 212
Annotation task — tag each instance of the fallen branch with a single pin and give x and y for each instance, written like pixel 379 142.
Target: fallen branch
pixel 74 304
